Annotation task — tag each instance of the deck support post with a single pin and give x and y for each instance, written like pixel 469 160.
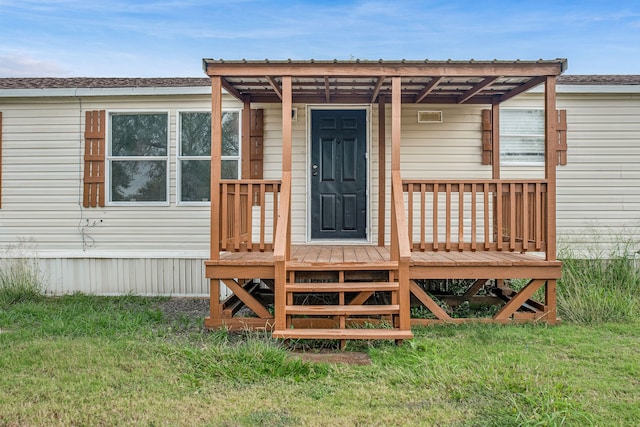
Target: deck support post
pixel 215 307
pixel 550 302
pixel 282 254
pixel 216 153
pixel 287 143
pixel 396 134
pixel 550 162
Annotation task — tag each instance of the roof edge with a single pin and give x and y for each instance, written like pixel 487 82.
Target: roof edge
pixel 96 92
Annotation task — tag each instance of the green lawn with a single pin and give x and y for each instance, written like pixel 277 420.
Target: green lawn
pixel 82 360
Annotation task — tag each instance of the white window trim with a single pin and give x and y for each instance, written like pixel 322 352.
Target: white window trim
pixel 109 158
pixel 520 162
pixel 180 157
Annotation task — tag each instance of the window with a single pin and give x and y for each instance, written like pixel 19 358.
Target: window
pixel 194 153
pixel 138 157
pixel 522 136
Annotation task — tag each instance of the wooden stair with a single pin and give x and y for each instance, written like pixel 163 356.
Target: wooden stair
pixel 354 314
pixel 344 334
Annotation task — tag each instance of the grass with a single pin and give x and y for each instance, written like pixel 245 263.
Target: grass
pixel 85 360
pixel 605 287
pixel 20 281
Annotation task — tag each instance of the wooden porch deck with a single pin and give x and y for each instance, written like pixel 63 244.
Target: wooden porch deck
pixel 337 257
pixel 359 284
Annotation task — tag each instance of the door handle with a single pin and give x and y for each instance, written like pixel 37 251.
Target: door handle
pixel 315 170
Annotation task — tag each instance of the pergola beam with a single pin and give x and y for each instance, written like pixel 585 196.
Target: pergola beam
pixel 327 89
pixel 274 84
pixel 523 88
pixel 477 88
pixel 386 69
pixel 232 90
pixel 427 89
pixel 377 88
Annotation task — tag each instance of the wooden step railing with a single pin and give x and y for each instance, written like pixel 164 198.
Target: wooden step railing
pixel 401 249
pixel 282 252
pixel 248 214
pixel 476 215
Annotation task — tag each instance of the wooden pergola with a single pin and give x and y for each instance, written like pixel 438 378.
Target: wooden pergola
pixel 522 211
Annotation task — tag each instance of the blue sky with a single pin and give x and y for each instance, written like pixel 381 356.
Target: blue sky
pixel 129 38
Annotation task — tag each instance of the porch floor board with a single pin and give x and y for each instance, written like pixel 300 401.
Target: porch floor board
pixel 345 256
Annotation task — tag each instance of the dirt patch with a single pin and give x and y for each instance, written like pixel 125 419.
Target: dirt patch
pixel 179 308
pixel 343 357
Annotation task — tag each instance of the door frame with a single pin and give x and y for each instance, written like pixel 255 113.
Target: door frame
pixel 367 109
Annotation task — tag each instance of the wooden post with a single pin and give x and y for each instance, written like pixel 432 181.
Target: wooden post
pixel 550 301
pixel 287 143
pixel 216 152
pixel 382 163
pixel 495 140
pixel 246 139
pixel 550 162
pixel 286 124
pixel 396 120
pixel 215 308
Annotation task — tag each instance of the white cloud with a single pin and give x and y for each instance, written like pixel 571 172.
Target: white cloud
pixel 16 65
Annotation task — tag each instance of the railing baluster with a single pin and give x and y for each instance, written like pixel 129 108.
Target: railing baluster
pixel 474 213
pixel 249 216
pixel 460 217
pixel 275 213
pixel 487 239
pixel 436 188
pixel 447 243
pixel 263 191
pixel 513 229
pixel 423 207
pixel 525 217
pixel 224 217
pixel 237 229
pixel 538 216
pixel 498 218
pixel 410 213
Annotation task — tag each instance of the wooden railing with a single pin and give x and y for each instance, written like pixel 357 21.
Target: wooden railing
pixel 248 214
pixel 282 252
pixel 401 249
pixel 476 215
pixel 400 242
pixel 282 239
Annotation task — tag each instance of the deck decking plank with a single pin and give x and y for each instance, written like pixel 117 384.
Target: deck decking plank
pixel 349 254
pixel 379 257
pixel 337 255
pixel 362 255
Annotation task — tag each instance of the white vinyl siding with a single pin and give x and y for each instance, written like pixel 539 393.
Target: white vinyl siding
pixel 43 146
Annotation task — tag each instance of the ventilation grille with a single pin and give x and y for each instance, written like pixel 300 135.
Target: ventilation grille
pixel 429 116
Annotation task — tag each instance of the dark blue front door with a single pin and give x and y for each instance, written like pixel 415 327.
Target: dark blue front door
pixel 338 174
